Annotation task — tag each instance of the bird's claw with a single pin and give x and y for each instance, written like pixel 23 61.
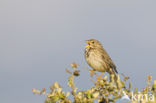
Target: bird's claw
pixel 99 77
pixel 92 73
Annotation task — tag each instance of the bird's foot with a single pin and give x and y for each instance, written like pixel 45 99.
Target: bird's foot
pixel 99 77
pixel 92 73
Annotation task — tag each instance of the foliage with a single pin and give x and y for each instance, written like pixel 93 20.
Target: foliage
pixel 104 90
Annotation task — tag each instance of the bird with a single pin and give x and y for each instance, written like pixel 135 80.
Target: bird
pixel 98 59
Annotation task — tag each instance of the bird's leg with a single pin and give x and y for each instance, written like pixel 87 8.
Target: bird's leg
pixel 92 73
pixel 99 77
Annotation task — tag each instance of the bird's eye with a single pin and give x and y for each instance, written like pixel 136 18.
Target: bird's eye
pixel 92 42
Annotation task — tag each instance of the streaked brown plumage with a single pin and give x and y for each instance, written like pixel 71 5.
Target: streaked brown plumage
pixel 97 57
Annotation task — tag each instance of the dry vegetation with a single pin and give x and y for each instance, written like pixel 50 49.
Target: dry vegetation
pixel 105 90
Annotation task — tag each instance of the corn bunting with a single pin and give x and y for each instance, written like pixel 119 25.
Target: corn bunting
pixel 98 59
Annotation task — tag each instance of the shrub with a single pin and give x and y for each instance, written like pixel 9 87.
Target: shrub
pixel 104 90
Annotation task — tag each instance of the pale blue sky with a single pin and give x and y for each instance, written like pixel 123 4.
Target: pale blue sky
pixel 40 38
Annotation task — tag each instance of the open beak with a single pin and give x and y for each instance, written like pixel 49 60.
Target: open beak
pixel 87 46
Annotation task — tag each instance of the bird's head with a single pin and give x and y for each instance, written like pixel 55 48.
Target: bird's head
pixel 92 43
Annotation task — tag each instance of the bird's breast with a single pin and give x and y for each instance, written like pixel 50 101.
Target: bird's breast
pixel 95 61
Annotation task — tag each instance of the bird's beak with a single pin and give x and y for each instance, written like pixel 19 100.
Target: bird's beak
pixel 87 41
pixel 87 46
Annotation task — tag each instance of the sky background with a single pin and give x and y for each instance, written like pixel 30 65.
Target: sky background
pixel 40 38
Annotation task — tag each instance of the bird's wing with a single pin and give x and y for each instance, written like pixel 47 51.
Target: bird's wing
pixel 109 61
